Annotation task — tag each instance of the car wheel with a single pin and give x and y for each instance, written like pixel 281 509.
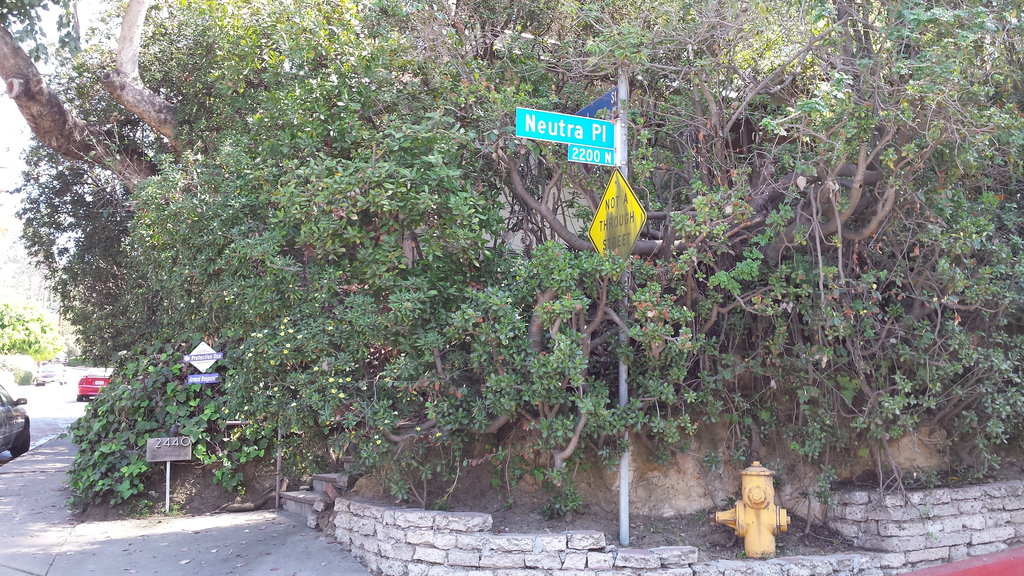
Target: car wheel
pixel 21 442
pixel 80 398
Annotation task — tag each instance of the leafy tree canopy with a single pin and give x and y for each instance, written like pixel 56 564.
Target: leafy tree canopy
pixel 27 330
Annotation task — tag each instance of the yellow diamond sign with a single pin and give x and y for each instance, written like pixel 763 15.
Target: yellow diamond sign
pixel 618 220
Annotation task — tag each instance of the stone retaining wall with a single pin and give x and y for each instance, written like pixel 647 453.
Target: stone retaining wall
pixel 405 542
pixel 933 526
pixel 904 531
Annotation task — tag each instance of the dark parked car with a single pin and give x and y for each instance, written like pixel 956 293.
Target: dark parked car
pixel 14 424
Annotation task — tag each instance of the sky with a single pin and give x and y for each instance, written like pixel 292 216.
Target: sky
pixel 15 135
pixel 19 282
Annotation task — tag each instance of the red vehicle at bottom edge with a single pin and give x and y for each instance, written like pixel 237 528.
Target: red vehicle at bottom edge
pixel 91 385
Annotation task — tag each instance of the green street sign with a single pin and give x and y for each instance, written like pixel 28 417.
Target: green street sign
pixel 565 128
pixel 591 155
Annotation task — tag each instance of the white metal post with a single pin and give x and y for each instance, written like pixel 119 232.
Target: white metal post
pixel 622 159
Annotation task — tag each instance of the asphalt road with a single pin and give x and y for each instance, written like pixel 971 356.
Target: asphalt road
pixel 51 408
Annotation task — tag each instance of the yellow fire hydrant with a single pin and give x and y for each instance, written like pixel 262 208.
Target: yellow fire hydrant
pixel 756 518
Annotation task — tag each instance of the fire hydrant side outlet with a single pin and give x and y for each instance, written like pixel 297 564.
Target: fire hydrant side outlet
pixel 783 520
pixel 733 518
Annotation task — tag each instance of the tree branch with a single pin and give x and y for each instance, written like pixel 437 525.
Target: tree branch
pixel 520 192
pixel 535 332
pixel 496 424
pixel 56 127
pixel 563 455
pixel 401 438
pixel 800 55
pixel 881 212
pixel 131 39
pixel 125 85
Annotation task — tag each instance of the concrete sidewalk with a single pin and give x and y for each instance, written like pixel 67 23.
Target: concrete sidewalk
pixel 38 535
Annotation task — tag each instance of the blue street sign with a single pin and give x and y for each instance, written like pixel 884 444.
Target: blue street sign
pixel 203 378
pixel 591 155
pixel 564 128
pixel 603 103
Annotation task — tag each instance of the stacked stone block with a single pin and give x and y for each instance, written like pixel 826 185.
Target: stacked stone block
pixel 904 532
pixel 404 542
pixel 935 526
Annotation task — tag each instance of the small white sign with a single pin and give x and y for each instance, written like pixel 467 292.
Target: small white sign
pixel 202 357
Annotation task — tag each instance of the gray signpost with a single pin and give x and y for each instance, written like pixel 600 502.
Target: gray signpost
pixel 622 157
pixel 604 143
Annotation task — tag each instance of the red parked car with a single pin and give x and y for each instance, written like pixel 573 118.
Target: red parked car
pixel 91 385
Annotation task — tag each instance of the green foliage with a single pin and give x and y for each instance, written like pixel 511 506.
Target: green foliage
pixel 25 329
pixel 21 367
pixel 832 259
pixel 562 503
pixel 75 219
pixel 25 21
pixel 148 396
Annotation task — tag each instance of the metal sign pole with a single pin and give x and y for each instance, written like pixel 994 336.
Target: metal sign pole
pixel 167 488
pixel 622 158
pixel 277 474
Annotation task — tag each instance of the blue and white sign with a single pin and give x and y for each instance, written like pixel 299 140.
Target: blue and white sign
pixel 193 358
pixel 202 357
pixel 591 155
pixel 564 128
pixel 204 378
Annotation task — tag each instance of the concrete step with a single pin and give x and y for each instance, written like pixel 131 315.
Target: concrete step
pixel 338 483
pixel 305 504
pixel 310 504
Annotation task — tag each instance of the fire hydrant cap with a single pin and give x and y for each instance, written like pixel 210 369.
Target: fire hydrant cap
pixel 757 497
pixel 756 469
